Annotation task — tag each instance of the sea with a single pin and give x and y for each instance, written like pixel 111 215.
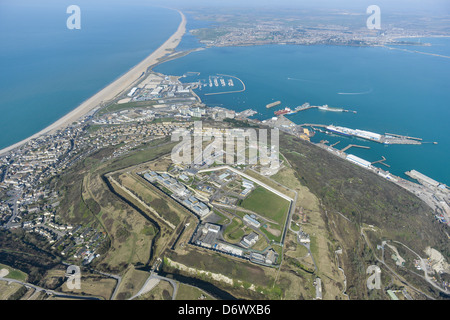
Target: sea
pixel 47 69
pixel 392 91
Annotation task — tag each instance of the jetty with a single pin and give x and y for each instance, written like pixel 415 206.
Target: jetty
pixel 325 107
pixel 383 159
pixel 273 104
pixel 354 145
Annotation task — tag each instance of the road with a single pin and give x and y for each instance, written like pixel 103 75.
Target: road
pixel 392 271
pixel 424 268
pixel 47 291
pixel 246 176
pixel 114 276
pixel 15 211
pixel 153 276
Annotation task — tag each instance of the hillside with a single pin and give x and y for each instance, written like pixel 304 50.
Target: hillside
pixel 353 197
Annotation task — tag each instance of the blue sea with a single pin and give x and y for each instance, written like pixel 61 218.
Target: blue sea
pixel 47 70
pixel 392 91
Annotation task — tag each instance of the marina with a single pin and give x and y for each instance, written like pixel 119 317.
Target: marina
pixel 223 83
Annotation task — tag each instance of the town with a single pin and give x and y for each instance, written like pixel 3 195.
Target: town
pixel 236 213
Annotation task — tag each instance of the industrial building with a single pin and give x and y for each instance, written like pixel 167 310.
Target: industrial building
pixel 229 249
pixel 251 220
pixel 248 185
pixel 132 92
pixel 208 235
pixel 269 258
pixel 180 192
pixel 358 161
pixel 249 240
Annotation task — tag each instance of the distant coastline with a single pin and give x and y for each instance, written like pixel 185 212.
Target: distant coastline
pixel 112 90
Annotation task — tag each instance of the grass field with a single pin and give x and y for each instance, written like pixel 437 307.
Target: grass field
pixel 231 231
pixel 187 292
pixel 267 204
pixel 272 232
pixel 132 282
pixel 124 106
pixel 7 291
pixel 95 286
pixel 14 273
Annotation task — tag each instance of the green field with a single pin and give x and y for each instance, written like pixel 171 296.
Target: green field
pixel 187 292
pixel 14 273
pixel 267 204
pixel 123 106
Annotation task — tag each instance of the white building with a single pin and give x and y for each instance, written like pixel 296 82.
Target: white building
pixel 359 161
pixel 133 91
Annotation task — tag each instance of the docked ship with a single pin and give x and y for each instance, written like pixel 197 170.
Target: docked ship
pixel 283 111
pixel 302 107
pixel 341 130
pixel 356 133
pixel 325 107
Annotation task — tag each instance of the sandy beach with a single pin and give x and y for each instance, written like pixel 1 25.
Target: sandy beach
pixel 114 89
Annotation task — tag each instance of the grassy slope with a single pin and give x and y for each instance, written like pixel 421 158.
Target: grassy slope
pixel 364 198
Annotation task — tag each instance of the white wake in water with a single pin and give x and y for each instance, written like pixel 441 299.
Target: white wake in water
pixel 355 93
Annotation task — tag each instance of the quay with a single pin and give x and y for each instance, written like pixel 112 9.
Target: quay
pixel 325 107
pixel 367 135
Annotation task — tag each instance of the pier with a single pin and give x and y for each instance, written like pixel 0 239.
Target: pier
pixel 307 106
pixel 381 162
pixel 353 146
pixel 402 137
pixel 335 144
pixel 224 92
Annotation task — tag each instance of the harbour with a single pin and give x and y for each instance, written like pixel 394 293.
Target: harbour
pixel 306 106
pixel 380 109
pixel 372 136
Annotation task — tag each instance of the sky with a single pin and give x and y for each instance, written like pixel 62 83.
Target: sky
pixel 407 6
pixel 441 7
